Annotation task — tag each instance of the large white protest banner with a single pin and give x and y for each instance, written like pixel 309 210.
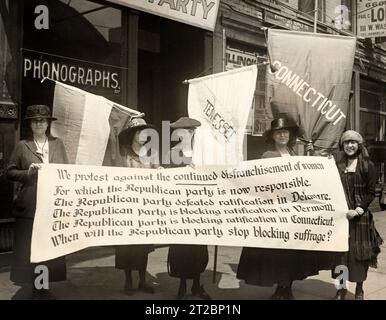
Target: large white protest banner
pixel 221 102
pixel 199 13
pixel 270 203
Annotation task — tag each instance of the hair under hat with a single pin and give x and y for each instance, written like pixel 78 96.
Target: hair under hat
pixel 280 124
pixel 351 135
pixel 355 136
pixel 135 123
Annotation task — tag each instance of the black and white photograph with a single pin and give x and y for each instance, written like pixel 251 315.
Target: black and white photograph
pixel 189 155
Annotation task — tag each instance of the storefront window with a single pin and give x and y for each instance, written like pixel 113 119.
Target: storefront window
pixel 305 6
pixel 373 123
pixel 5 58
pixel 9 31
pixel 83 46
pixel 8 60
pixel 337 13
pixel 238 55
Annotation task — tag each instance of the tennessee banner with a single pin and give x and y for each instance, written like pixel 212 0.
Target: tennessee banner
pixel 309 80
pixel 268 203
pixel 221 102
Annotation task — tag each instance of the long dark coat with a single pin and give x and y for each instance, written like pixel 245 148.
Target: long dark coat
pixel 364 240
pixel 266 267
pixel 133 257
pixel 22 270
pixel 184 260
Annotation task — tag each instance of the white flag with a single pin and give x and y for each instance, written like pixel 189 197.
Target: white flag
pixel 86 122
pixel 221 102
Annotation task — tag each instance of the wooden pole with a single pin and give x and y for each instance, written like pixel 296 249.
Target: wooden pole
pixel 223 69
pixel 316 16
pixel 316 11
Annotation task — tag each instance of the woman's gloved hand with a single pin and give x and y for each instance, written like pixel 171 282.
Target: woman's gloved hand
pixel 351 214
pixel 33 168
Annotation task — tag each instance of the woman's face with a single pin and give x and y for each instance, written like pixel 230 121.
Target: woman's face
pixel 281 137
pixel 39 126
pixel 185 136
pixel 350 147
pixel 139 138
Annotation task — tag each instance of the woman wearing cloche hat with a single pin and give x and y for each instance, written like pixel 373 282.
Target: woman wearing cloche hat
pixel 358 177
pixel 39 147
pixel 134 257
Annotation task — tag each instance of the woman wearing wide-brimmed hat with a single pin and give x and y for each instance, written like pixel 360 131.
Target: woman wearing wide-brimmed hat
pixel 186 261
pixel 135 257
pixel 266 267
pixel 28 155
pixel 358 177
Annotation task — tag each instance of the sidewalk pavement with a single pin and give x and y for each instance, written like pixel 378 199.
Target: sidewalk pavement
pixel 92 275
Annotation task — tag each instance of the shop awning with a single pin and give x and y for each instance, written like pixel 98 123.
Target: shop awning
pixel 199 13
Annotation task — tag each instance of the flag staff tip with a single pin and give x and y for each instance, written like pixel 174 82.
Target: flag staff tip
pixel 46 78
pixel 185 82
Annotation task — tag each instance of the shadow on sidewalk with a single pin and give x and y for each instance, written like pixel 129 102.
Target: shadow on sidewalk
pixel 106 283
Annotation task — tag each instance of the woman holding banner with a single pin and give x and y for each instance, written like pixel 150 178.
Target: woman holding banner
pixel 266 267
pixel 358 177
pixel 186 261
pixel 134 257
pixel 40 147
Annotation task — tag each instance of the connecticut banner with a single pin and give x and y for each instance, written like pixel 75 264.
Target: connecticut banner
pixel 269 203
pixel 309 80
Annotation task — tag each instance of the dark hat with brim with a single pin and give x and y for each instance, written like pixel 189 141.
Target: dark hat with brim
pixel 281 124
pixel 126 136
pixel 38 111
pixel 185 123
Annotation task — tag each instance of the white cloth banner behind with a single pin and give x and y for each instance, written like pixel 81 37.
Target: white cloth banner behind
pixel 221 102
pixel 84 123
pixel 269 203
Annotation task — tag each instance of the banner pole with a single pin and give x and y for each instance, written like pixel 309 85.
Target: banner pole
pixel 316 11
pixel 224 40
pixel 316 16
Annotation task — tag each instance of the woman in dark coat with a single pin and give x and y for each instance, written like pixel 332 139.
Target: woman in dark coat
pixel 134 257
pixel 38 148
pixel 266 267
pixel 186 261
pixel 358 177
